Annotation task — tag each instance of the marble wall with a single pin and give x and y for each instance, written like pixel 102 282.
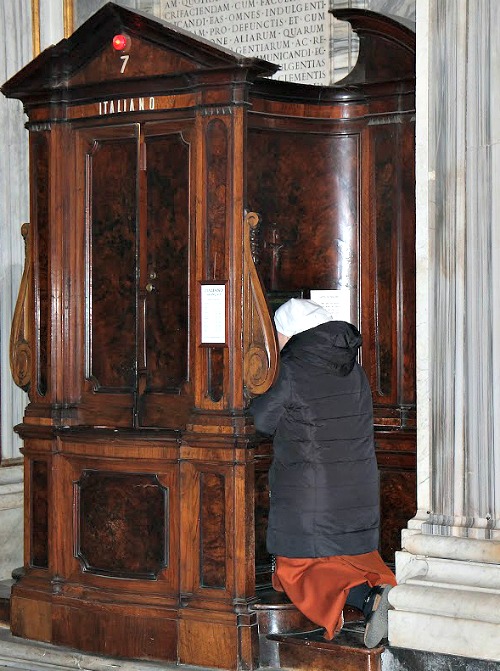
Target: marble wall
pixel 11 519
pixel 15 22
pixel 14 206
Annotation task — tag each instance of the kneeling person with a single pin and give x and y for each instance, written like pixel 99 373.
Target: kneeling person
pixel 324 486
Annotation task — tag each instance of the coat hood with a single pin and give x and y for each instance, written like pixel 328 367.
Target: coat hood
pixel 299 314
pixel 334 344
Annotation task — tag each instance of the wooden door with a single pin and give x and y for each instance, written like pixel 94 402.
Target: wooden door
pixel 135 198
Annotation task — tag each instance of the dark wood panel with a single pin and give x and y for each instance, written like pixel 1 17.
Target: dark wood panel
pixel 213 530
pixel 112 194
pixel 407 291
pixel 396 456
pixel 261 494
pixel 39 503
pixel 386 232
pixel 40 187
pixel 123 524
pixel 398 494
pixel 307 193
pixel 390 357
pixel 217 192
pixel 166 271
pixel 215 356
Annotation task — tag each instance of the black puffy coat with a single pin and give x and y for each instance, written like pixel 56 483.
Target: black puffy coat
pixel 324 478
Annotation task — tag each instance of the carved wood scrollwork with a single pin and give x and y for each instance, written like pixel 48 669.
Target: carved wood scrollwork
pixel 20 347
pixel 259 341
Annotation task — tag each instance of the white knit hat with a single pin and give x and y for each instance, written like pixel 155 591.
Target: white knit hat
pixel 299 314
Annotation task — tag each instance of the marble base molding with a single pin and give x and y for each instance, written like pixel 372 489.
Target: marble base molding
pixel 11 519
pixel 448 597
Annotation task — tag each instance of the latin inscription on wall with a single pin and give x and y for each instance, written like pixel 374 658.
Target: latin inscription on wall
pixel 291 33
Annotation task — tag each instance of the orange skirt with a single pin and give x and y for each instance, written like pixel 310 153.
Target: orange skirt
pixel 319 587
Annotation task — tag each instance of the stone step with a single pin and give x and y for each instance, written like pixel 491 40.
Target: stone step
pixel 5 586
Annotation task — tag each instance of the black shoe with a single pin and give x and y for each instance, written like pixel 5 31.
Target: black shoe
pixel 376 618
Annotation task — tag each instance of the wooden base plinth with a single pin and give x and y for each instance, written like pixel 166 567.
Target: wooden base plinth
pixel 311 652
pixel 195 637
pixel 224 640
pixel 31 618
pixel 100 628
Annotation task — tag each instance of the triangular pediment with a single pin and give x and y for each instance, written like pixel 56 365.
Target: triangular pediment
pixel 155 49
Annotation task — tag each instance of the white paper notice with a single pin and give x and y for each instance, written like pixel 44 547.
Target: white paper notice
pixel 337 302
pixel 213 313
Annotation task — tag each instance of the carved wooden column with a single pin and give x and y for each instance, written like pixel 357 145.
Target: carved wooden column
pixel 217 460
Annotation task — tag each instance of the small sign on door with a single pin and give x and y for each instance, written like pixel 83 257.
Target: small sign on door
pixel 213 314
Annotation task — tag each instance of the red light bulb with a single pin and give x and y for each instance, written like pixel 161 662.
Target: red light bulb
pixel 120 42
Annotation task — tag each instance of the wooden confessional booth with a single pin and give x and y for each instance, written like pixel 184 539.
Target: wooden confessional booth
pixel 176 193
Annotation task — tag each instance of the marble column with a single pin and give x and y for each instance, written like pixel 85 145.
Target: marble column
pixel 15 19
pixel 448 598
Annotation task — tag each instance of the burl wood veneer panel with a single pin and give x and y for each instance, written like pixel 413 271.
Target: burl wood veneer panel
pixel 261 493
pixel 398 494
pixel 218 191
pixel 213 530
pixel 113 249
pixel 122 524
pixel 166 270
pixel 39 505
pixel 307 194
pixel 393 257
pixel 40 186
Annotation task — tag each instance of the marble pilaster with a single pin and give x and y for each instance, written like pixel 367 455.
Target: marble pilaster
pixel 14 207
pixel 15 17
pixel 448 596
pixel 11 519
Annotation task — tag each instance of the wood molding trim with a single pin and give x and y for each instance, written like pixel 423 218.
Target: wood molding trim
pixel 35 26
pixel 69 23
